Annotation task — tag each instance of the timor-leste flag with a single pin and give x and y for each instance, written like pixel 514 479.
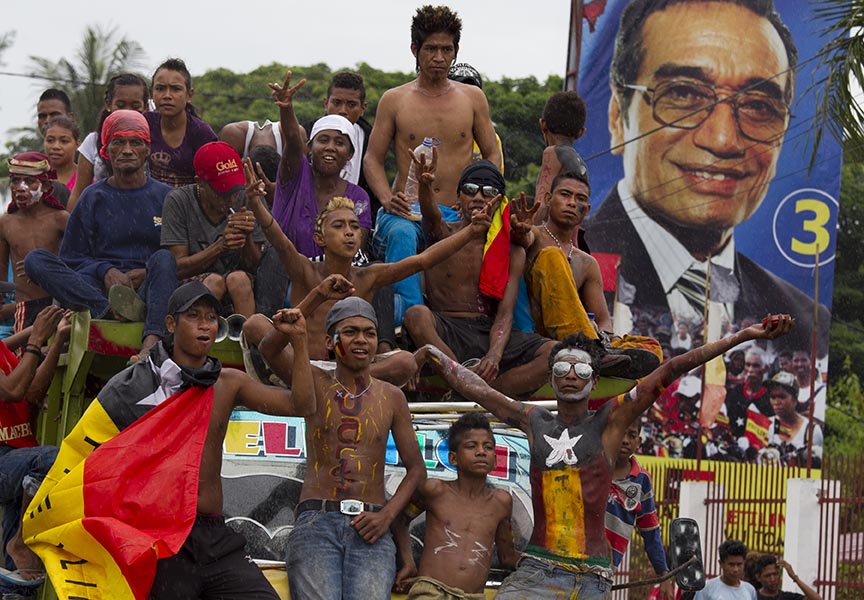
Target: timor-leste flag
pixel 495 270
pixel 123 491
pixel 756 430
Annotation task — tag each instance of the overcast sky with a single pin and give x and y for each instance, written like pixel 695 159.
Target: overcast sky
pixel 501 37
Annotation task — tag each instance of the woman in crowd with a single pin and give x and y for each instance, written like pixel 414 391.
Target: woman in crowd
pixel 61 137
pixel 176 132
pixel 125 91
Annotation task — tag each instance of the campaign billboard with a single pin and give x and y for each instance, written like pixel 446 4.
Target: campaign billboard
pixel 698 140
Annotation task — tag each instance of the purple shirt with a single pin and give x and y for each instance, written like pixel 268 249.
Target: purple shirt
pixel 295 208
pixel 174 165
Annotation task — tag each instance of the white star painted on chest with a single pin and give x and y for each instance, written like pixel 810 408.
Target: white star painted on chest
pixel 562 449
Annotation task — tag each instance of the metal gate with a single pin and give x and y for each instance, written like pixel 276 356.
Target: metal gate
pixel 841 527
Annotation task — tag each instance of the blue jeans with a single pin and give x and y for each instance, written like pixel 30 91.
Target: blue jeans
pixel 79 292
pixel 15 465
pixel 537 580
pixel 397 238
pixel 328 560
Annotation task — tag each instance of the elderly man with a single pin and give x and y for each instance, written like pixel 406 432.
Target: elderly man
pixel 701 95
pixel 112 245
pixel 752 392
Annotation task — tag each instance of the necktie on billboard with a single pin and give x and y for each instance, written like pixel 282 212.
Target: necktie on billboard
pixel 495 270
pixel 123 490
pixel 692 286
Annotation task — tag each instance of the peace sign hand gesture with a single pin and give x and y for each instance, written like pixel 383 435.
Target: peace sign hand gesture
pixel 283 95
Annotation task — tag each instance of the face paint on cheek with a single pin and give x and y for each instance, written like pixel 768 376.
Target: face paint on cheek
pixel 573 396
pixel 338 348
pixel 35 196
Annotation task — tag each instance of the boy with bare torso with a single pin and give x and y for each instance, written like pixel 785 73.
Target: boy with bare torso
pixel 341 537
pixel 337 231
pixel 463 519
pixel 431 106
pixel 35 220
pixel 460 320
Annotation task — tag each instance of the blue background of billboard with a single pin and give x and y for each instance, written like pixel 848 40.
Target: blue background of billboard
pixel 754 237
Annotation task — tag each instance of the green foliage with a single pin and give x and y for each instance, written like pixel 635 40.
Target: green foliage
pixel 101 55
pixel 225 97
pixel 516 104
pixel 845 433
pixel 837 107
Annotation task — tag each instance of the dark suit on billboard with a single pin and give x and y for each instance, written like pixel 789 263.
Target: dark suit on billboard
pixel 610 230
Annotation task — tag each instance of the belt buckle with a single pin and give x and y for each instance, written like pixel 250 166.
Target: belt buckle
pixel 350 507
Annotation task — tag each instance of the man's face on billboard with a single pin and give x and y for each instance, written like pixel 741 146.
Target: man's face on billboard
pixel 711 176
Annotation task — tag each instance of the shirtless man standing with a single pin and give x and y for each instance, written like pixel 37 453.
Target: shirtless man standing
pixel 464 517
pixel 429 106
pixel 460 320
pixel 36 219
pixel 337 231
pixel 341 538
pixel 183 382
pixel 573 456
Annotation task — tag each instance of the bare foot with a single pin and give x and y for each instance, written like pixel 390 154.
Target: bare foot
pixel 146 344
pixel 26 562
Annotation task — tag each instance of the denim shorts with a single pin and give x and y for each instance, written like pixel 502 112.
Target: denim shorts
pixel 538 580
pixel 328 560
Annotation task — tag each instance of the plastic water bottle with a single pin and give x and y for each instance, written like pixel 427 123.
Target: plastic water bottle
pixel 412 186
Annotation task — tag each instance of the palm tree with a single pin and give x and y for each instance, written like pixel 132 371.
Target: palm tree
pixel 839 93
pixel 100 56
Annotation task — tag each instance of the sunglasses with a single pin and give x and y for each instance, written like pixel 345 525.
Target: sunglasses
pixel 470 189
pixel 562 369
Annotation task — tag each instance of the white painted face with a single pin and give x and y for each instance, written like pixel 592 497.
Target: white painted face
pixel 570 387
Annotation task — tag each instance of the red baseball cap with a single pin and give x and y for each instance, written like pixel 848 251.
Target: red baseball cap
pixel 218 164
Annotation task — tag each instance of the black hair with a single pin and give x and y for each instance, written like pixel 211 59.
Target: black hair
pixel 177 64
pixel 435 19
pixel 762 561
pixel 65 123
pixel 269 159
pixel 580 341
pixel 570 175
pixel 464 424
pixel 565 113
pixel 628 54
pixel 130 79
pixel 55 94
pixel 732 548
pixel 347 80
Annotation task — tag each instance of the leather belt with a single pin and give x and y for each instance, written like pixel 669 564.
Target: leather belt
pixel 348 507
